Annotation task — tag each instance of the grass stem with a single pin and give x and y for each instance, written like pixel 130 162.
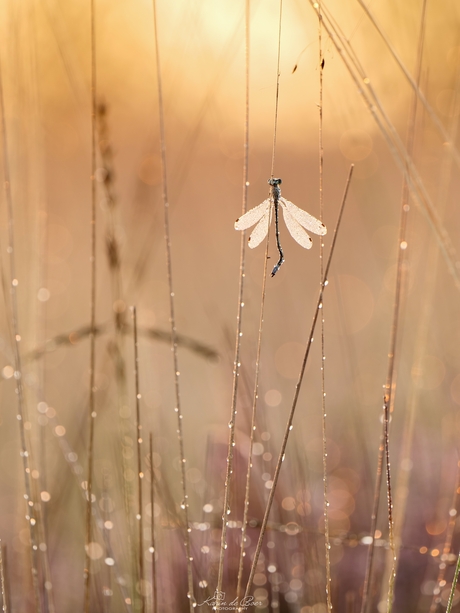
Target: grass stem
pixel 327 543
pixel 4 579
pixel 152 528
pixel 450 602
pixel 236 364
pixel 92 359
pixel 172 316
pixel 297 392
pixel 25 452
pixel 140 474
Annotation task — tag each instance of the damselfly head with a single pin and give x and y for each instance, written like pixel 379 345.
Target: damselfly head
pixel 274 181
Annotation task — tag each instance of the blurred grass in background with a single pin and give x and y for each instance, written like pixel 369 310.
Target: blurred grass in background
pixel 45 67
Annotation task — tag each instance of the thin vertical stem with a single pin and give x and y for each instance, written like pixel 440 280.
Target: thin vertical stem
pixel 3 578
pixel 275 126
pixel 226 509
pixel 253 428
pixel 397 149
pixel 172 317
pixel 114 261
pixel 31 516
pixel 327 544
pixel 92 359
pixel 296 393
pixel 236 362
pixel 152 529
pixel 140 474
pixel 450 602
pixel 390 385
pixel 443 133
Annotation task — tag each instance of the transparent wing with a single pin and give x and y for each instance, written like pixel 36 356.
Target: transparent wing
pixel 260 231
pixel 304 219
pixel 296 230
pixel 251 217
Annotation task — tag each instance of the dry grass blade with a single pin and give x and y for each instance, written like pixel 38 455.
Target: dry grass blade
pixel 446 138
pixel 296 393
pixel 262 302
pixel 72 338
pixel 423 332
pixel 440 582
pixel 92 359
pixel 117 345
pixel 395 145
pixel 152 529
pixel 236 362
pixel 450 602
pixel 327 543
pixel 172 317
pixel 253 429
pixel 31 515
pixel 4 579
pixel 140 474
pixel 390 385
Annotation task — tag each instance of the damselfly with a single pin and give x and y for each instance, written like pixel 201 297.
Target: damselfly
pixel 295 219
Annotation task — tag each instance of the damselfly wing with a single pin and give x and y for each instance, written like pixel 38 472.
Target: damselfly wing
pixel 297 221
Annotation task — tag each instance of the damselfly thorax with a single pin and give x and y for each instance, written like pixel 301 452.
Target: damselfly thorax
pixel 296 220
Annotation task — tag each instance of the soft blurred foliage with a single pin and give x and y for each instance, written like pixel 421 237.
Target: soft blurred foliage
pixel 46 75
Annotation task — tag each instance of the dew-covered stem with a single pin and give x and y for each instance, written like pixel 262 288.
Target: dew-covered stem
pixel 172 316
pixel 4 579
pixel 253 428
pixel 140 474
pixel 450 602
pixel 297 391
pixel 390 385
pixel 31 515
pixel 152 529
pixel 236 361
pixel 113 255
pixel 415 84
pixel 327 544
pixel 398 150
pixel 92 358
pixel 226 509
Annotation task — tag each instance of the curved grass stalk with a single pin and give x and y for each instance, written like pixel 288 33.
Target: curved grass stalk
pixel 72 338
pixel 390 385
pixel 422 338
pixel 296 393
pixel 443 133
pixel 172 316
pixel 395 145
pixel 435 603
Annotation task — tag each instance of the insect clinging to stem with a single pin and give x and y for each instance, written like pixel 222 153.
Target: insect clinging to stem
pixel 296 220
